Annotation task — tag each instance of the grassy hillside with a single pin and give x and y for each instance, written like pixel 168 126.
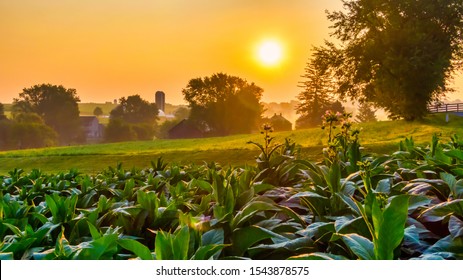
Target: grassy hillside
pixel 380 137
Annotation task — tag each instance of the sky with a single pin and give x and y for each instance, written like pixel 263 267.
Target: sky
pixel 108 49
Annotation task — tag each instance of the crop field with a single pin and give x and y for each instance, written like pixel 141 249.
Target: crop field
pixel 407 204
pixel 378 138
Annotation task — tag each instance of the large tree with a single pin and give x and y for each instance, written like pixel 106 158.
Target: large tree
pixel 398 54
pixel 56 105
pixel 222 104
pixel 316 97
pixel 133 119
pixel 365 113
pixel 134 109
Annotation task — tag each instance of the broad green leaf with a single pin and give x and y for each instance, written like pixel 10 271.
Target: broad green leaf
pixel 383 186
pixel 52 206
pixel 458 154
pixel 6 256
pixel 136 247
pixel 100 249
pixel 317 229
pixel 360 246
pixel 180 244
pixel 413 240
pixel 244 238
pixel 250 210
pixel 308 194
pixel 14 229
pixel 440 211
pixel 292 245
pixel 261 188
pixel 94 231
pixel 213 237
pixel 318 256
pixel 447 248
pixel 389 227
pixel 349 201
pixel 163 246
pixel 207 252
pixel 455 227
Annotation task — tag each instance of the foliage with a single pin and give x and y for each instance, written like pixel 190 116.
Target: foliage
pixel 133 119
pixel 134 109
pixel 98 111
pixel 215 100
pixel 407 205
pixel 386 48
pixel 26 130
pixel 365 113
pixel 56 105
pixel 305 121
pixel 317 95
pixel 2 112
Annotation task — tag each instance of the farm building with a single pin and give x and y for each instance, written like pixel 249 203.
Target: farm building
pixel 92 128
pixel 279 123
pixel 184 129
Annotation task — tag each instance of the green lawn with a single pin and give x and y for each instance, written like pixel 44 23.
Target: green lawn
pixel 379 137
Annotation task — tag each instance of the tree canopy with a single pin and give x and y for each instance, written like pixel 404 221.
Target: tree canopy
pixel 134 109
pixel 222 104
pixel 365 113
pixel 56 105
pixel 133 119
pixel 97 111
pixel 397 54
pixel 316 97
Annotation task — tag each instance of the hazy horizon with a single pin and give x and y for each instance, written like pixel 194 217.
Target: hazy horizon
pixel 110 49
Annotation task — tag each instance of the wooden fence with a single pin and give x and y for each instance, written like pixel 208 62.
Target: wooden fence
pixel 445 108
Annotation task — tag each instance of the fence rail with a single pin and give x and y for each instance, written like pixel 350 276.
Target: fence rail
pixel 445 108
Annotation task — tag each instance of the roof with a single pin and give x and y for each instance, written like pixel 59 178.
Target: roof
pixel 87 120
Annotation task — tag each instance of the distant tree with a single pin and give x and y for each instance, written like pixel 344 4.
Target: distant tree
pixel 28 130
pixel 98 111
pixel 223 104
pixel 366 113
pixel 134 109
pixel 4 128
pixel 56 105
pixel 133 119
pixel 182 113
pixel 398 54
pixel 2 112
pixel 316 97
pixel 304 122
pixel 117 131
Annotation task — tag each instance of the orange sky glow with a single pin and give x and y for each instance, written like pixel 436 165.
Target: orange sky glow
pixel 108 49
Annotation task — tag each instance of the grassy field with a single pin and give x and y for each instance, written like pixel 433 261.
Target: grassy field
pixel 378 138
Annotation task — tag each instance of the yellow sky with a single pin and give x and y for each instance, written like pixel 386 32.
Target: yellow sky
pixel 107 49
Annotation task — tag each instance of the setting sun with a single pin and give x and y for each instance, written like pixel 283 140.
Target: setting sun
pixel 270 53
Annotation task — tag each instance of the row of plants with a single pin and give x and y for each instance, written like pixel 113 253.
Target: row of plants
pixel 406 205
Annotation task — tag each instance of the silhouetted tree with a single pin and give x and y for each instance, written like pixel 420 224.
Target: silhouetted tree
pixel 134 109
pixel 98 111
pixel 182 113
pixel 223 104
pixel 56 105
pixel 28 130
pixel 397 54
pixel 133 119
pixel 365 113
pixel 2 112
pixel 316 97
